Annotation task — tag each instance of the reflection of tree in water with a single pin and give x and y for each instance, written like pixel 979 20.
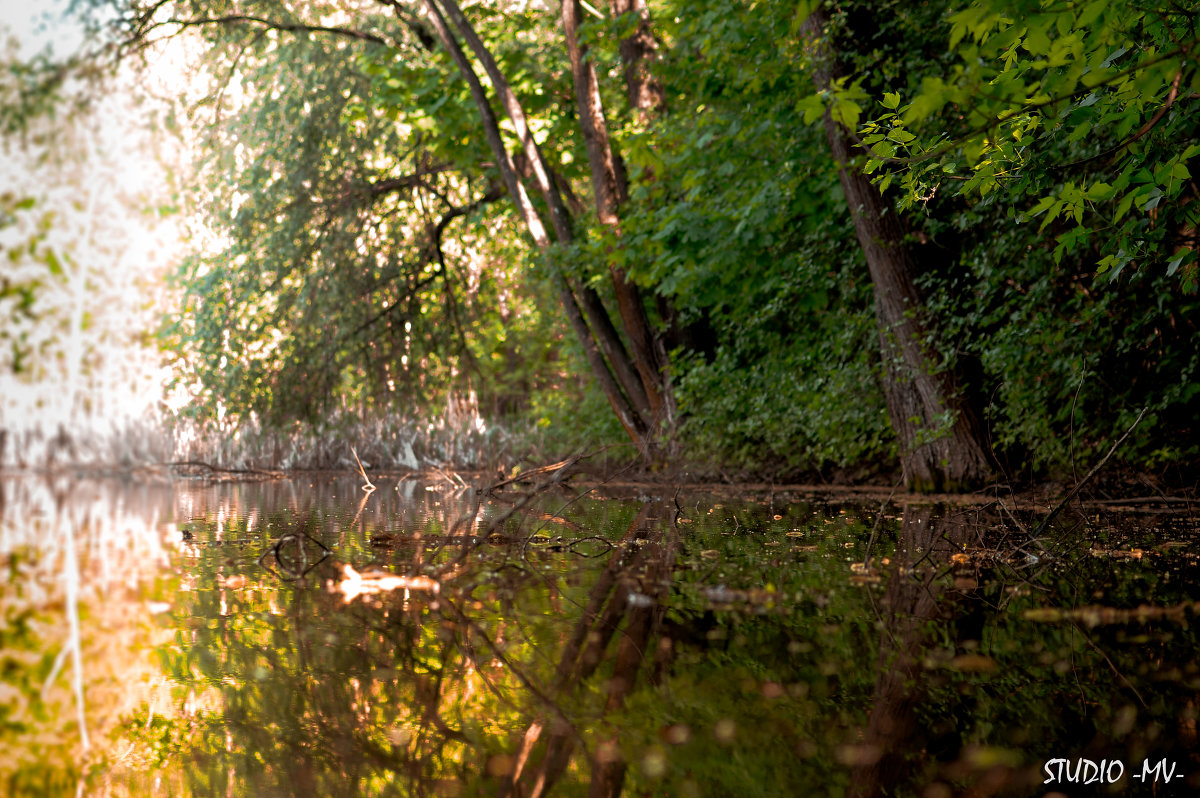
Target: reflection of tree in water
pixel 637 576
pixel 523 675
pixel 740 657
pixel 914 612
pixel 320 697
pixel 971 698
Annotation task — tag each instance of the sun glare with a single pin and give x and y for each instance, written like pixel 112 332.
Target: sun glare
pixel 89 230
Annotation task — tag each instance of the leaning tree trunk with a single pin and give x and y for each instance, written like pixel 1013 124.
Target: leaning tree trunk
pixel 635 381
pixel 941 444
pixel 632 417
pixel 611 190
pixel 628 371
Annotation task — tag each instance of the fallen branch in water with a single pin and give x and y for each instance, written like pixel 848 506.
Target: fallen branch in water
pixel 1058 508
pixel 218 469
pixel 533 472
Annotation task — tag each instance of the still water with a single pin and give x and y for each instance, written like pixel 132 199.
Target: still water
pixel 303 637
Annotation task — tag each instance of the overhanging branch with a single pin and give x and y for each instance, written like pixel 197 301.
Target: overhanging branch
pixel 143 28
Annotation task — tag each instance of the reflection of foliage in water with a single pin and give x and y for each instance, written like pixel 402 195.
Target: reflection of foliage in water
pixel 428 693
pixel 71 547
pixel 742 650
pixel 772 667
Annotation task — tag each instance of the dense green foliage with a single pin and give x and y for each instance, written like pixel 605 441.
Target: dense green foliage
pixel 331 286
pixel 368 259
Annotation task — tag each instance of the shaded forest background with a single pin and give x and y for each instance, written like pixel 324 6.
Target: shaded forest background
pixel 531 229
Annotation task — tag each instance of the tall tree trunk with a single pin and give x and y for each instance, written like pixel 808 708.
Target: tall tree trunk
pixel 648 101
pixel 941 443
pixel 634 421
pixel 611 190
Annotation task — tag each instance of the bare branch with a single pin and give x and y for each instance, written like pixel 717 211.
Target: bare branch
pixel 141 33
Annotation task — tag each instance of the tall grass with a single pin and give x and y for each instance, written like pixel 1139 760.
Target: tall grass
pixel 458 437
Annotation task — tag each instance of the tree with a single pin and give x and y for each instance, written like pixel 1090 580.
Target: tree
pixel 685 219
pixel 1071 108
pixel 941 443
pixel 641 400
pixel 1064 114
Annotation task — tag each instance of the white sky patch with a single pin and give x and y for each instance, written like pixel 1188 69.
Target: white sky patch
pixel 85 225
pixel 40 25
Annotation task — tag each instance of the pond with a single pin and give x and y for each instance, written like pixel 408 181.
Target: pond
pixel 302 636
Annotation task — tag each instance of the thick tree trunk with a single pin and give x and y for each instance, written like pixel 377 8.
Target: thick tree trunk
pixel 611 191
pixel 941 444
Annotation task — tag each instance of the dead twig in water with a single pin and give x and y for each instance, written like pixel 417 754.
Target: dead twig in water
pixel 533 472
pixel 1087 638
pixel 219 470
pixel 369 487
pixel 875 526
pixel 1041 528
pixel 453 478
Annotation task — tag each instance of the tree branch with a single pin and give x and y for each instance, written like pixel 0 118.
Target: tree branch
pixel 140 34
pixel 1172 96
pixel 434 252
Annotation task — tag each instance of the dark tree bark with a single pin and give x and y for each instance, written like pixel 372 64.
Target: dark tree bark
pixel 942 446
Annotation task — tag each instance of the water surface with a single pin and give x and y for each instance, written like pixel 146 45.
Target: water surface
pixel 302 637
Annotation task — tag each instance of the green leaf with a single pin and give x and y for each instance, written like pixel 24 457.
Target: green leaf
pixel 1173 266
pixel 1043 204
pixel 1091 13
pixel 812 107
pixel 891 100
pixel 1052 214
pixel 846 112
pixel 1037 42
pixel 957 31
pixel 1123 206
